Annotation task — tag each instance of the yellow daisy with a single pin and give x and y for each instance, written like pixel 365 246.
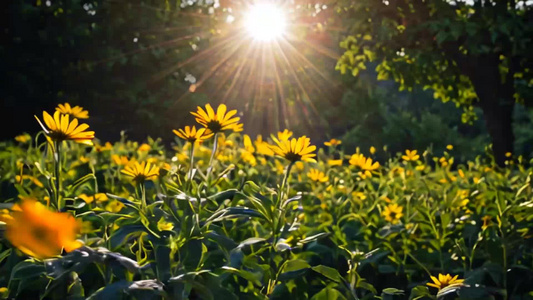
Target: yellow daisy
pixel 40 232
pixel 61 129
pixel 410 155
pixel 333 143
pixel 75 111
pixel 295 149
pixel 393 213
pixel 219 121
pixel 444 281
pixel 141 171
pixel 317 175
pixel 192 135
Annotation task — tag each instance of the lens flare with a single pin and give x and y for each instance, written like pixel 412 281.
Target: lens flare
pixel 265 22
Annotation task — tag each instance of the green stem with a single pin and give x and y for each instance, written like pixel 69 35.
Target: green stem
pixel 57 174
pixel 210 166
pixel 143 196
pixel 280 218
pixel 284 182
pixel 189 177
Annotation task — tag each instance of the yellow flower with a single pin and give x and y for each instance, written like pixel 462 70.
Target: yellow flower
pixel 445 162
pixel 100 148
pixel 487 221
pixel 335 162
pixel 219 121
pixel 120 160
pixel 279 168
pixel 508 154
pixel 144 147
pixel 76 111
pixel 61 129
pixel 163 225
pixel 420 168
pixel 295 149
pixel 190 134
pixel 248 146
pixel 23 138
pixel 410 155
pixel 449 147
pixel 248 157
pixel 359 195
pixel 333 143
pixel 372 150
pixel 393 213
pixel 366 164
pixel 114 206
pixel 444 281
pixel 100 197
pixel 140 171
pixel 284 135
pixel 317 175
pixel 263 147
pixel 40 232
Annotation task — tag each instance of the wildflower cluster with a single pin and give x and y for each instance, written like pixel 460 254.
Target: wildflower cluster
pixel 228 215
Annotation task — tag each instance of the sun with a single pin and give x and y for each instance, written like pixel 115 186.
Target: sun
pixel 265 22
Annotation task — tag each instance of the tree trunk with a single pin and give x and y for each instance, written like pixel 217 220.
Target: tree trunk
pixel 497 102
pixel 498 119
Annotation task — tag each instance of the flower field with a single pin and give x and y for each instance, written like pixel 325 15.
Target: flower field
pixel 222 215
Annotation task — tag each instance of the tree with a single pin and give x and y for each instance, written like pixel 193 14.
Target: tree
pixel 474 53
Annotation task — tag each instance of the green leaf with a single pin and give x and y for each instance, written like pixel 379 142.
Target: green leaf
pixel 328 294
pixel 27 269
pixel 328 272
pixel 123 233
pixel 254 278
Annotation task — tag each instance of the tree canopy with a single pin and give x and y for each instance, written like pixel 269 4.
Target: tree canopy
pixel 474 53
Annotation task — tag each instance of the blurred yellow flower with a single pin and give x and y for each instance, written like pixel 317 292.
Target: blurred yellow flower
pixel 248 146
pixel 364 163
pixel 508 154
pixel 100 148
pixel 23 138
pixel 487 221
pixel 393 213
pixel 317 175
pixel 75 111
pixel 358 195
pixel 61 129
pixel 114 206
pixel 372 150
pixel 335 162
pixel 333 143
pixel 284 135
pixel 249 158
pixel 140 172
pixel 444 281
pixel 295 149
pixel 449 147
pixel 410 155
pixel 420 167
pixel 40 232
pixel 190 134
pixel 263 147
pixel 100 197
pixel 163 225
pixel 120 160
pixel 144 147
pixel 219 121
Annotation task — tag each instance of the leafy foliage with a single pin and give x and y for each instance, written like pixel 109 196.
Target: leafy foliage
pixel 245 232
